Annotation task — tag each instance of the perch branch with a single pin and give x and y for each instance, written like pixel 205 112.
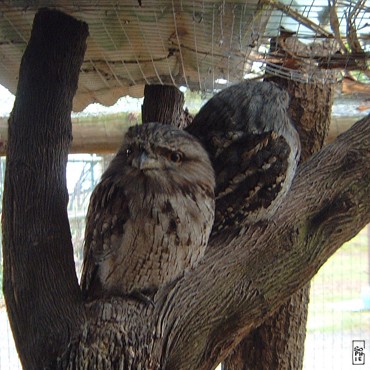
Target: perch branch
pixel 334 24
pixel 352 38
pixel 298 17
pixel 246 278
pixel 199 318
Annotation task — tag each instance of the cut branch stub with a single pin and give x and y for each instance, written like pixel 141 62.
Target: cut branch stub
pixel 196 319
pixel 163 104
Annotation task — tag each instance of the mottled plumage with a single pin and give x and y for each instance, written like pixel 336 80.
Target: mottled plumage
pixel 150 216
pixel 254 148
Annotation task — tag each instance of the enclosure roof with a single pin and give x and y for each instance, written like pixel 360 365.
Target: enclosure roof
pixel 203 45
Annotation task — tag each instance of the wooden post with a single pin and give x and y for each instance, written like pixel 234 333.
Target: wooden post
pixel 164 104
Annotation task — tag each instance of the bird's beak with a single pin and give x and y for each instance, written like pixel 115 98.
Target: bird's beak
pixel 146 162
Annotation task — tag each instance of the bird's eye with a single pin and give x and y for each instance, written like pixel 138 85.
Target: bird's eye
pixel 129 151
pixel 176 157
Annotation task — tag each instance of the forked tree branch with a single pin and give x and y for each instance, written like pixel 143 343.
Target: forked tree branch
pixel 196 320
pixel 250 274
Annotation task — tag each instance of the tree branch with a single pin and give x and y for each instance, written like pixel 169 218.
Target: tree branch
pixel 250 274
pixel 195 321
pixel 245 277
pixel 298 17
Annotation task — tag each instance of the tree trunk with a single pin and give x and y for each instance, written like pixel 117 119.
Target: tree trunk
pixel 279 342
pixel 43 300
pixel 163 104
pixel 194 322
pixel 310 110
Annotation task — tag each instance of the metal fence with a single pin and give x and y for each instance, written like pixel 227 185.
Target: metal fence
pixel 339 311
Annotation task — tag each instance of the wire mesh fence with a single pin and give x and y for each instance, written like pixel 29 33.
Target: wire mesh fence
pixel 206 46
pixel 202 45
pixel 339 310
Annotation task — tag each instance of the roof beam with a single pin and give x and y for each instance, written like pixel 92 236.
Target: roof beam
pixel 103 135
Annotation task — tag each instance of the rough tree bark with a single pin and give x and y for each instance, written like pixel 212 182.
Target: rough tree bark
pixel 279 342
pixel 195 321
pixel 163 104
pixel 43 300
